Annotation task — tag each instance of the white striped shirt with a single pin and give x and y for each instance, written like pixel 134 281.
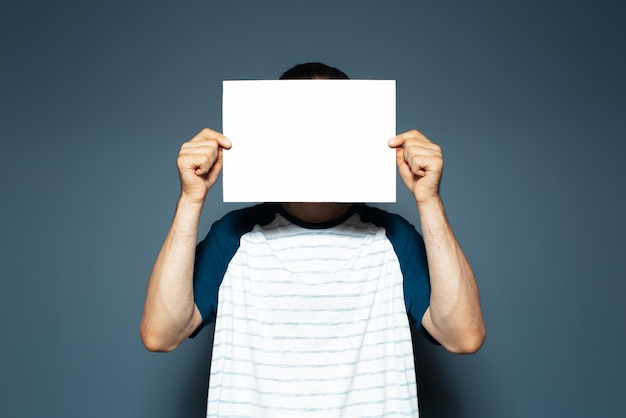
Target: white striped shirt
pixel 311 321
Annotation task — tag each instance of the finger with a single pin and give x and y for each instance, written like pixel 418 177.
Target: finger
pixel 203 166
pixel 411 162
pixel 216 167
pixel 426 149
pixel 200 147
pixel 423 161
pixel 198 164
pixel 406 174
pixel 400 139
pixel 403 166
pixel 200 159
pixel 210 134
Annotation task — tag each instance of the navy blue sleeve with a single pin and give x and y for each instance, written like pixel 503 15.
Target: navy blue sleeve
pixel 212 257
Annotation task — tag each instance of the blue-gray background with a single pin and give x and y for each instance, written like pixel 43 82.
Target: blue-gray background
pixel 526 98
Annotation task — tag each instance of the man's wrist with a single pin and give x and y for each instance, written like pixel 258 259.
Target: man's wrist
pixel 431 209
pixel 430 202
pixel 188 212
pixel 191 202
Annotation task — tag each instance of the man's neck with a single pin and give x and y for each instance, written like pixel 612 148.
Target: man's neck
pixel 316 212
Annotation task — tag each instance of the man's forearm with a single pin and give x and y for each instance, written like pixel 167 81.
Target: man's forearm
pixel 454 317
pixel 169 312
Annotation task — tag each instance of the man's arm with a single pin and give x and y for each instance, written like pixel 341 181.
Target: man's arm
pixel 454 317
pixel 170 314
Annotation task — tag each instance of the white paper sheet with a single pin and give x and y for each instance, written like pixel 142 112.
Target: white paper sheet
pixel 309 140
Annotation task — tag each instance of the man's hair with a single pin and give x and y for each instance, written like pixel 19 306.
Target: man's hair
pixel 313 70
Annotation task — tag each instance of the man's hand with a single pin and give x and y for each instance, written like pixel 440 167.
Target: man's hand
pixel 200 162
pixel 420 164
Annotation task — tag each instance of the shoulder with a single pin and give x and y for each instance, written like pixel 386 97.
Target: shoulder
pixel 393 223
pixel 404 237
pixel 226 232
pixel 240 221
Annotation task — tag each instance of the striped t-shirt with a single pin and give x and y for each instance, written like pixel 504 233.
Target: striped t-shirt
pixel 312 320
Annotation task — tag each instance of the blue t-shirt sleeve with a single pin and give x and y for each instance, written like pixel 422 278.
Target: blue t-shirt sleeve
pixel 411 252
pixel 213 254
pixel 414 265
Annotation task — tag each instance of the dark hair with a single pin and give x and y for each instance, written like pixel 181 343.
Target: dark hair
pixel 312 70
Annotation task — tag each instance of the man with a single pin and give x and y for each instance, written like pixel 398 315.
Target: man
pixel 312 301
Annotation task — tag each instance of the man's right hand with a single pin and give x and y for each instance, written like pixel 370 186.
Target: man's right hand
pixel 200 163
